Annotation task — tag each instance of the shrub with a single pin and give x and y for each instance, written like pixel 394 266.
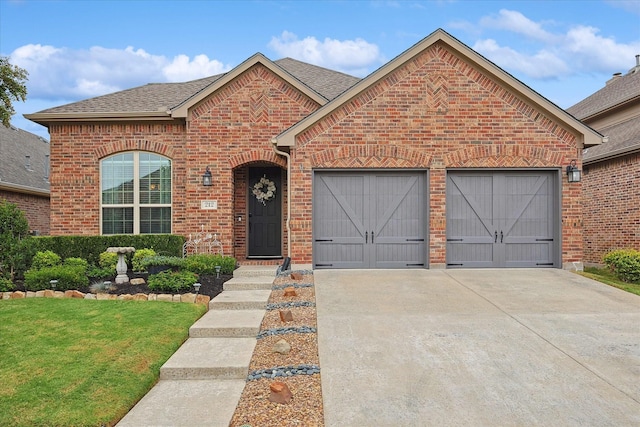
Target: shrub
pixel 100 273
pixel 169 261
pixel 108 260
pixel 206 264
pixel 6 285
pixel 68 277
pixel 625 264
pixel 76 262
pixel 171 281
pixel 138 256
pixel 44 259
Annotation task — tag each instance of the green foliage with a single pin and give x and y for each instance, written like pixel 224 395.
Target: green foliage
pixel 206 264
pixel 68 277
pixel 76 262
pixel 45 259
pixel 90 247
pixel 108 260
pixel 6 285
pixel 625 264
pixel 158 260
pixel 12 88
pixel 171 281
pixel 14 233
pixel 100 273
pixel 138 256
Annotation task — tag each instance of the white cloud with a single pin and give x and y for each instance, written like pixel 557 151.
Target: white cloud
pixel 350 56
pixel 545 54
pixel 62 73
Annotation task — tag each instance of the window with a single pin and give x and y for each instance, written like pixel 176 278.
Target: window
pixel 136 194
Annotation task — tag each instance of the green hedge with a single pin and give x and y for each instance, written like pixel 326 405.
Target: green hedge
pixel 625 264
pixel 206 264
pixel 171 281
pixel 68 277
pixel 90 247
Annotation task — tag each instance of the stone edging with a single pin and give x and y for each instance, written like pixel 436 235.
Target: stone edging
pixel 48 293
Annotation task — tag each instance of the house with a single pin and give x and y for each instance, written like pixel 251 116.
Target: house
pixel 24 175
pixel 439 159
pixel 611 182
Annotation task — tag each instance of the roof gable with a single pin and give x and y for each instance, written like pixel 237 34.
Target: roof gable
pixel 585 134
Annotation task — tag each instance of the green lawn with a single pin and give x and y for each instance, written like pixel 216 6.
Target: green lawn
pixel 66 362
pixel 604 275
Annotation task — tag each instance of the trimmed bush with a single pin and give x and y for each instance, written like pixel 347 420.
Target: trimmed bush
pixel 6 285
pixel 172 282
pixel 138 256
pixel 162 260
pixel 76 262
pixel 68 277
pixel 206 264
pixel 108 260
pixel 44 259
pixel 625 264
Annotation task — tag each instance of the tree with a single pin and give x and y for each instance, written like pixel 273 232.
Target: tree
pixel 12 88
pixel 14 229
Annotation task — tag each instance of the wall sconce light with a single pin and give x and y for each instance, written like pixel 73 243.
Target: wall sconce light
pixel 573 173
pixel 207 179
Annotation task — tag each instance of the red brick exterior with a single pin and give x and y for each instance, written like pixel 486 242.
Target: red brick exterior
pixel 35 208
pixel 612 211
pixel 435 112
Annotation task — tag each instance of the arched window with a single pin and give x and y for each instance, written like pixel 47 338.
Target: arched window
pixel 136 193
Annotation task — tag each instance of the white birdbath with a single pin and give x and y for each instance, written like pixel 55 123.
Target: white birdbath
pixel 121 267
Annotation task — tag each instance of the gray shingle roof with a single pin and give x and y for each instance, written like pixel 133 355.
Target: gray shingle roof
pixel 158 97
pixel 623 92
pixel 15 145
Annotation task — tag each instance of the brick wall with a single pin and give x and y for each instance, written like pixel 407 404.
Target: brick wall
pixel 611 208
pixel 437 112
pixel 35 208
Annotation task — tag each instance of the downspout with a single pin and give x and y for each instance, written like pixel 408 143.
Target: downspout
pixel 274 141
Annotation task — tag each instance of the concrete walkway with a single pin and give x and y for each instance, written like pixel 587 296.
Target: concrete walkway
pixel 201 383
pixel 476 348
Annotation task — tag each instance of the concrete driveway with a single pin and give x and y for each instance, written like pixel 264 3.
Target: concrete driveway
pixel 476 348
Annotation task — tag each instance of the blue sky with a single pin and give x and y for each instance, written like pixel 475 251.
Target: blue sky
pixel 75 49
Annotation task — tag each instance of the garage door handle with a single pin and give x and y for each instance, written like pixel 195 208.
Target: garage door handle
pixel 324 240
pixel 501 236
pixel 496 239
pixel 371 236
pixel 544 240
pixel 417 240
pixel 366 237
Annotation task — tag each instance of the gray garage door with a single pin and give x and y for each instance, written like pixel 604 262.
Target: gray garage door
pixel 502 219
pixel 369 219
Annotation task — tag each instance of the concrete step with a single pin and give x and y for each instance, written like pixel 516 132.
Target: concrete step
pixel 210 359
pixel 255 270
pixel 248 283
pixel 227 323
pixel 192 402
pixel 240 300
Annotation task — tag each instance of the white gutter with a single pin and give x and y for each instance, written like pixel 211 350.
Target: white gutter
pixel 274 142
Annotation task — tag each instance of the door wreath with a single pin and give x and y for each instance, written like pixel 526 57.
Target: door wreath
pixel 264 190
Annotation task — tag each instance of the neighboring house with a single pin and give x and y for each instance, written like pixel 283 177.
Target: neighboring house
pixel 612 170
pixel 437 159
pixel 24 175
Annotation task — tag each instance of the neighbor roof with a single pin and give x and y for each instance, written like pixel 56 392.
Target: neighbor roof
pixel 16 172
pixel 621 94
pixel 159 100
pixel 589 136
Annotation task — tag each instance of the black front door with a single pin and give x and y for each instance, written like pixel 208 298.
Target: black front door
pixel 265 212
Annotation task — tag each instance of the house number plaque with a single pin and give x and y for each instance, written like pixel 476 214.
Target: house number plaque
pixel 209 204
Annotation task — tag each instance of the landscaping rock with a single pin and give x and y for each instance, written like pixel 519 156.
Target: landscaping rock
pixel 290 292
pixel 58 294
pixel 280 392
pixel 203 299
pixel 48 293
pixel 137 281
pixel 90 296
pixel 282 347
pixel 31 294
pixel 73 294
pixel 17 295
pixel 286 316
pixel 39 294
pixel 140 297
pixel 164 297
pixel 296 276
pixel 188 298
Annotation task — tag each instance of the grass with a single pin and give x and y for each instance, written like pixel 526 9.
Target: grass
pixel 604 275
pixel 66 362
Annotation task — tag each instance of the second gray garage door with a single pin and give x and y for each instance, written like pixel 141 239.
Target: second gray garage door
pixel 502 219
pixel 369 219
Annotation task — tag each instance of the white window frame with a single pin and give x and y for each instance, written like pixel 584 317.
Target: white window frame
pixel 136 205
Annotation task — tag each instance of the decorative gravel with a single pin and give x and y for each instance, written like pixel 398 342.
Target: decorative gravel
pixel 299 369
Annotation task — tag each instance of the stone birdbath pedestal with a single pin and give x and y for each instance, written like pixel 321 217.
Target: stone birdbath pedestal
pixel 121 267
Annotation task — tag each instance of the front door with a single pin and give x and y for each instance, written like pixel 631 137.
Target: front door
pixel 265 213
